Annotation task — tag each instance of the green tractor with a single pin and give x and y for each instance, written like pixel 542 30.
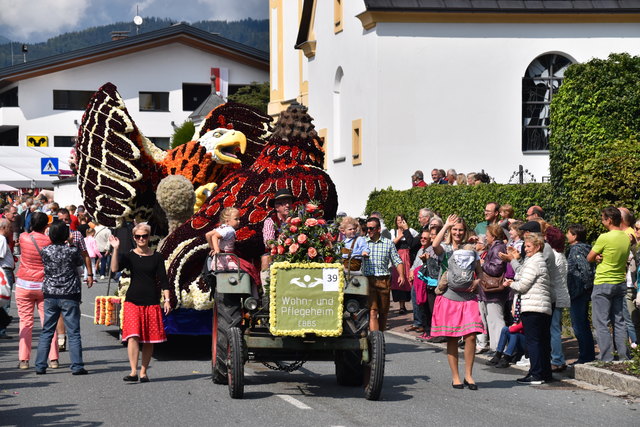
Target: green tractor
pixel 307 312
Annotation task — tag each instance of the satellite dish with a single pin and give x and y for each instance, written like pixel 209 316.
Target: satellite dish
pixel 137 20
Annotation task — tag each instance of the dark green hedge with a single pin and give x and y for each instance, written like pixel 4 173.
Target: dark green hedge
pixel 594 144
pixel 466 201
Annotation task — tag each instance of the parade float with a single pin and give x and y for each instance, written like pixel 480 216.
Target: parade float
pixel 308 309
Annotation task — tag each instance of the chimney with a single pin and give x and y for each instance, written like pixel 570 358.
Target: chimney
pixel 119 35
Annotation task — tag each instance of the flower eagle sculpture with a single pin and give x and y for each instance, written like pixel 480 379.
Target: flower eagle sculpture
pixel 235 147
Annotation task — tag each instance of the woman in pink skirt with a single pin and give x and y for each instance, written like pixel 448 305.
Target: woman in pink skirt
pixel 456 313
pixel 142 321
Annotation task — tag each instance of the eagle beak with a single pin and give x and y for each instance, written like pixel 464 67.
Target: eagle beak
pixel 226 149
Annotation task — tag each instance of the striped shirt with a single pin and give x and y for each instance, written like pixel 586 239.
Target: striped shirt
pixel 383 252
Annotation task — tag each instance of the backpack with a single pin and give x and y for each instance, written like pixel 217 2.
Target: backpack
pixel 459 278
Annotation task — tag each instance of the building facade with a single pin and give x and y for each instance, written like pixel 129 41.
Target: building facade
pixel 163 76
pixel 399 86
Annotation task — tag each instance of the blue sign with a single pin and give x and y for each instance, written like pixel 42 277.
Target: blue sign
pixel 49 166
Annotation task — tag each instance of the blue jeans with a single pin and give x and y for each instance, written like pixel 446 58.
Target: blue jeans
pixel 582 329
pixel 607 300
pixel 70 311
pixel 630 317
pixel 105 264
pixel 514 342
pixel 418 315
pixel 557 356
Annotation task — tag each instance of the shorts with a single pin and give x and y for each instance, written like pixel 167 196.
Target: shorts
pixel 379 293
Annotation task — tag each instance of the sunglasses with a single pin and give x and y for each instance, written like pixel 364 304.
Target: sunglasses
pixel 140 236
pixel 371 228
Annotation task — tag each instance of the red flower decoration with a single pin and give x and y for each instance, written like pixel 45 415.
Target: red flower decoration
pixel 293 229
pixel 312 252
pixel 310 207
pixel 302 238
pixel 296 221
pixel 293 248
pixel 311 222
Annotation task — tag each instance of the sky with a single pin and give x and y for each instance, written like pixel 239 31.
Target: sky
pixel 34 21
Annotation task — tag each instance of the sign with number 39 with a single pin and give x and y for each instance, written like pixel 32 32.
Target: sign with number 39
pixel 330 280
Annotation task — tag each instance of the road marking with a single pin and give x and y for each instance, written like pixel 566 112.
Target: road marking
pixel 295 402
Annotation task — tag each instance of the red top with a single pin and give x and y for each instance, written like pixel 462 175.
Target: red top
pixel 31 267
pixel 516 328
pixel 74 222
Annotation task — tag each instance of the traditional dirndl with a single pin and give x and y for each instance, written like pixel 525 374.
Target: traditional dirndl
pixel 144 322
pixel 401 293
pixel 455 318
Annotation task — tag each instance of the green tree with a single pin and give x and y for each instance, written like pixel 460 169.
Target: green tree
pixel 183 134
pixel 594 148
pixel 256 94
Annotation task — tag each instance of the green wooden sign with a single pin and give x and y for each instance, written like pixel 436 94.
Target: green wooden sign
pixel 306 299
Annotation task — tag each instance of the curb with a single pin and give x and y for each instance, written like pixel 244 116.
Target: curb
pixel 591 374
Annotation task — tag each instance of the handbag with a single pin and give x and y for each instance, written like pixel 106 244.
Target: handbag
pixel 491 284
pixel 420 287
pixel 5 290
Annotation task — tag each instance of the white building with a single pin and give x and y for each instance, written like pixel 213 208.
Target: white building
pixel 163 76
pixel 396 86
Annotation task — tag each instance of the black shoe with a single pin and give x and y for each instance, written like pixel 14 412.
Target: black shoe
pixel 42 372
pixel 131 378
pixel 503 363
pixel 495 359
pixel 472 386
pixel 144 379
pixel 457 386
pixel 530 380
pixel 80 371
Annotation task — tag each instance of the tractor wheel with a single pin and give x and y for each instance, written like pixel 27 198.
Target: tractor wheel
pixel 217 375
pixel 349 369
pixel 235 361
pixel 227 314
pixel 374 370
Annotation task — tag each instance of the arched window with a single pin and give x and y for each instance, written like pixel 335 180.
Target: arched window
pixel 540 82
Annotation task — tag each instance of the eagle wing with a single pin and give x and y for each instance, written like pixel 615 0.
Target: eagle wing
pixel 118 167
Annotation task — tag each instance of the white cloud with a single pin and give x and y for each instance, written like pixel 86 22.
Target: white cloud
pixel 24 19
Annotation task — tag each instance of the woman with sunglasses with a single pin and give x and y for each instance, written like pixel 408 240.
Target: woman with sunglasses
pixel 142 321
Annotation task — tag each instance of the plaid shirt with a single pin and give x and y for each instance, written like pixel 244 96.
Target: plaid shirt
pixel 78 240
pixel 382 252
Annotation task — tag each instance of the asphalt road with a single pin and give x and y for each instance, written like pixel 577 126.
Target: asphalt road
pixel 417 391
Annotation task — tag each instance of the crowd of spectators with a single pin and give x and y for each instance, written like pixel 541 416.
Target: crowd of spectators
pixel 450 177
pixel 530 272
pixel 500 287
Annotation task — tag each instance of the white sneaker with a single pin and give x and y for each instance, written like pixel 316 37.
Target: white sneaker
pixel 101 277
pixel 523 362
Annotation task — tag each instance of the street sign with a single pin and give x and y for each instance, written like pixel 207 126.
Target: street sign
pixel 49 166
pixel 37 141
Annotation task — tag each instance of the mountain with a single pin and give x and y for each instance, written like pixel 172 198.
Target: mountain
pixel 251 32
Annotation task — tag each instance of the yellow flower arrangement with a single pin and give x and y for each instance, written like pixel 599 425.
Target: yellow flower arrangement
pixel 332 325
pixel 105 310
